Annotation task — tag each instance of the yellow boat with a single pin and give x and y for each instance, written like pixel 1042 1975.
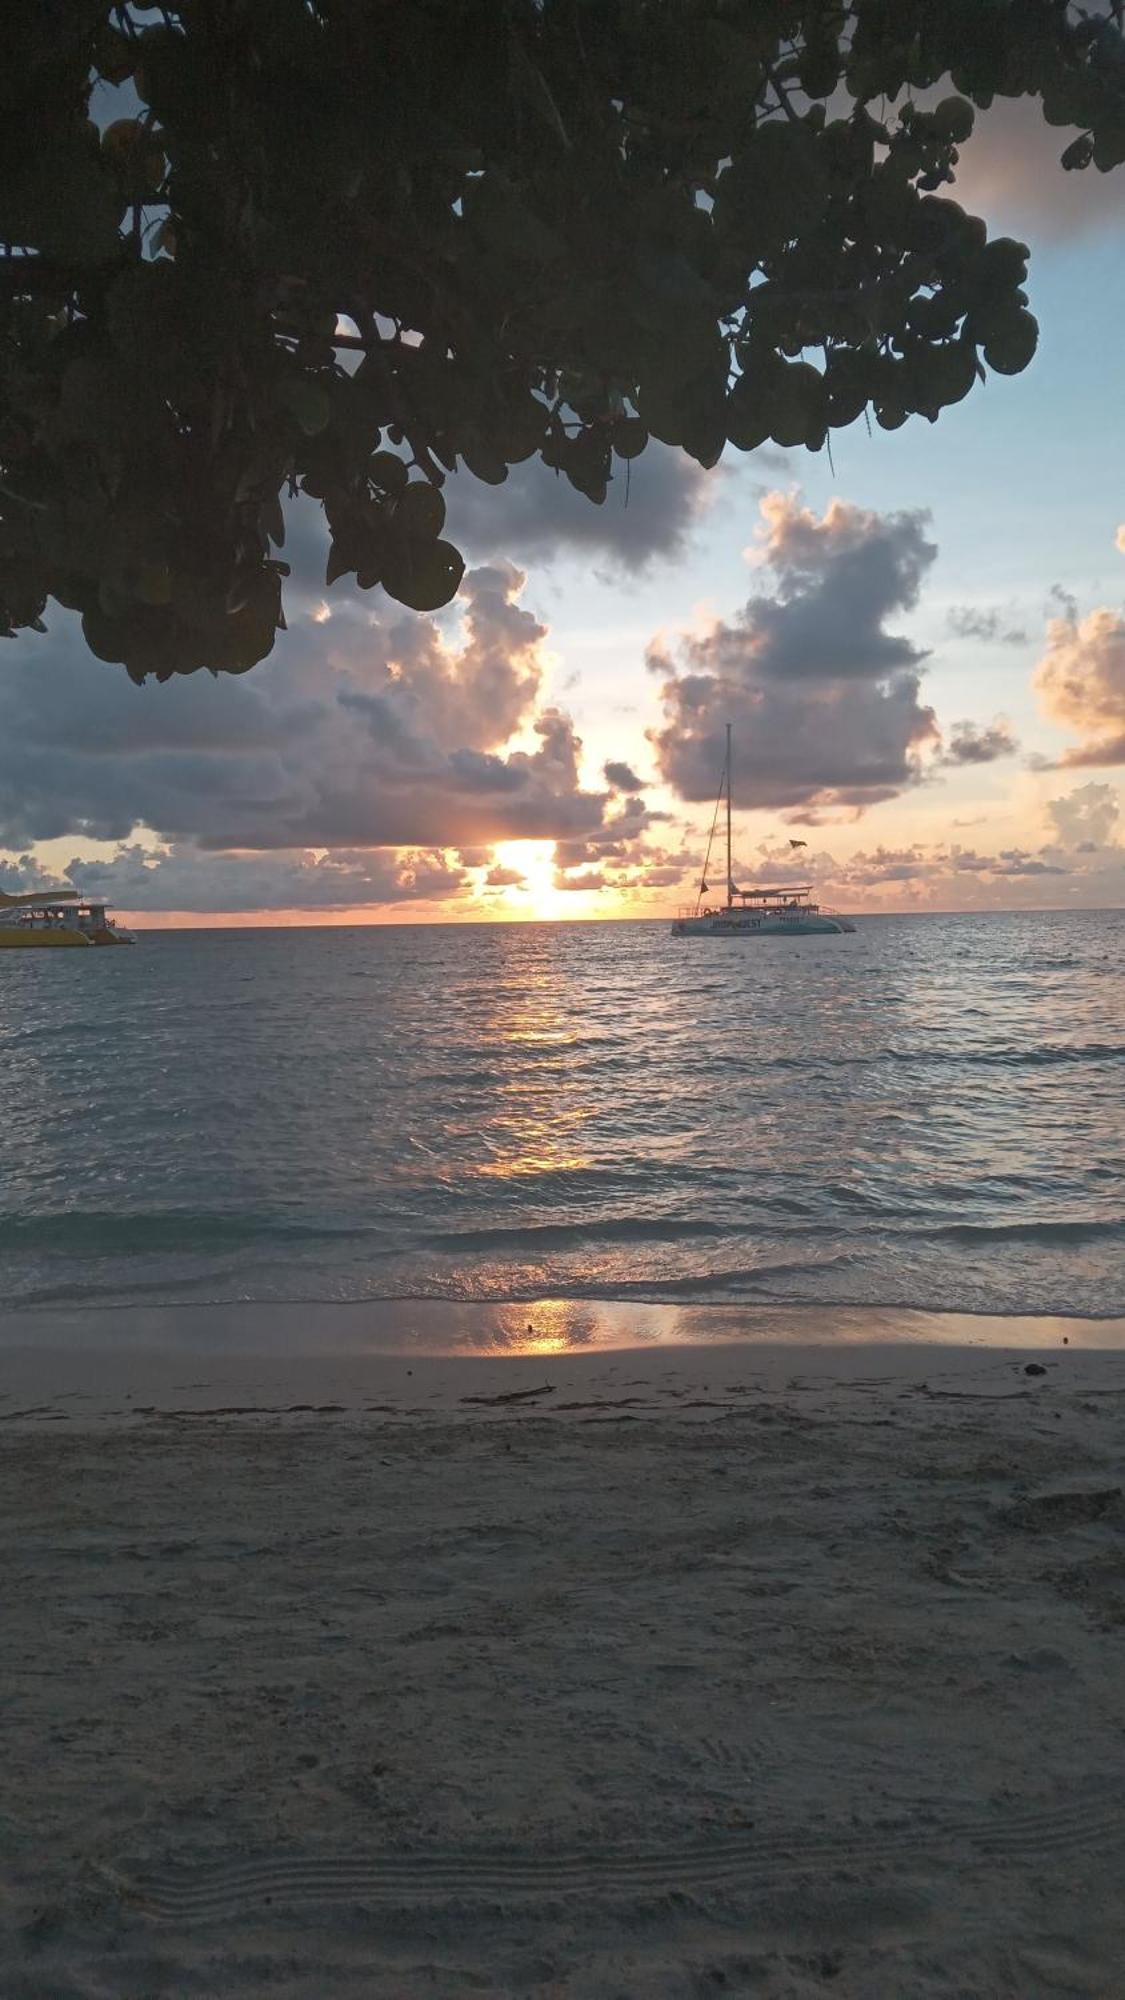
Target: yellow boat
pixel 61 921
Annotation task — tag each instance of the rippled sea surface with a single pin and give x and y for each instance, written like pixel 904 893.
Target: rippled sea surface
pixel 929 1113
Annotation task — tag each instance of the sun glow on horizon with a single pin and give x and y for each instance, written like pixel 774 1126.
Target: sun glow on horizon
pixel 538 898
pixel 535 895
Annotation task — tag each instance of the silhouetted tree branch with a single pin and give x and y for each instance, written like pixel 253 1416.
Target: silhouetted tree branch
pixel 557 227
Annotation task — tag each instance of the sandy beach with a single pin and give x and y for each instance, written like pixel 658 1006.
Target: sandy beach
pixel 772 1669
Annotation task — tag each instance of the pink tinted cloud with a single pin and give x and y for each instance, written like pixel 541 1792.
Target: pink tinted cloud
pixel 1080 684
pixel 1010 173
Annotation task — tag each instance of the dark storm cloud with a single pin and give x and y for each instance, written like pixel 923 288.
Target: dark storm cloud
pixel 824 699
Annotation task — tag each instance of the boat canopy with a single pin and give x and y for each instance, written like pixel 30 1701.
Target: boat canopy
pixel 788 892
pixel 38 899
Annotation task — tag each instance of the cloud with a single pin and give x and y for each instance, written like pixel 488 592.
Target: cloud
pixel 933 874
pixel 372 729
pixel 1011 863
pixel 628 867
pixel 583 878
pixel 1080 682
pixel 776 865
pixel 1063 600
pixel 1119 539
pixel 1071 869
pixel 972 744
pixel 621 777
pixel 884 865
pixel 1087 818
pixel 1009 172
pixel 1016 861
pixel 183 879
pixel 887 864
pixel 25 874
pixel 615 859
pixel 655 873
pixel 969 621
pixel 652 509
pixel 824 699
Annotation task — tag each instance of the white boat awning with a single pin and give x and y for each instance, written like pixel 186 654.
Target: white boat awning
pixel 40 899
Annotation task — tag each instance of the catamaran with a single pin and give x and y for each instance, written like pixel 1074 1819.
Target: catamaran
pixel 61 919
pixel 782 911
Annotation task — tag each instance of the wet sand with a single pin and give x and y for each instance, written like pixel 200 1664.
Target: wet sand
pixel 779 1669
pixel 292 1329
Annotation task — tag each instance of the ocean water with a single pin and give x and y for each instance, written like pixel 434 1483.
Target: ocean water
pixel 930 1114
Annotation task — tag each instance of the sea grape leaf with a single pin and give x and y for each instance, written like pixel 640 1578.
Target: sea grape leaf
pixel 423 574
pixel 420 511
pixel 600 221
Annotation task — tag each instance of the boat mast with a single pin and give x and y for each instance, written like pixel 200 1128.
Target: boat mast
pixel 730 877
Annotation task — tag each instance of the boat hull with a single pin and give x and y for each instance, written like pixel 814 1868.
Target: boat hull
pixel 750 927
pixel 13 938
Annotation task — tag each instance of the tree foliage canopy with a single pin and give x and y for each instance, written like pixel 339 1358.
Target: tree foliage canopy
pixel 344 246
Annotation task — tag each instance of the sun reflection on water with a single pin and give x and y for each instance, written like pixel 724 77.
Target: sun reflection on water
pixel 550 1326
pixel 536 1114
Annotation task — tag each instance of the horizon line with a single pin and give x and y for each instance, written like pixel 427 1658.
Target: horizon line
pixel 233 920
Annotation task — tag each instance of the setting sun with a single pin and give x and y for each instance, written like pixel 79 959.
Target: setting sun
pixel 535 895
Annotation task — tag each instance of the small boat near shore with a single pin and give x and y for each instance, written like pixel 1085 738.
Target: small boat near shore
pixel 781 911
pixel 60 921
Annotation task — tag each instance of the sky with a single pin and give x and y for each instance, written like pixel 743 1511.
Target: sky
pixel 920 646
